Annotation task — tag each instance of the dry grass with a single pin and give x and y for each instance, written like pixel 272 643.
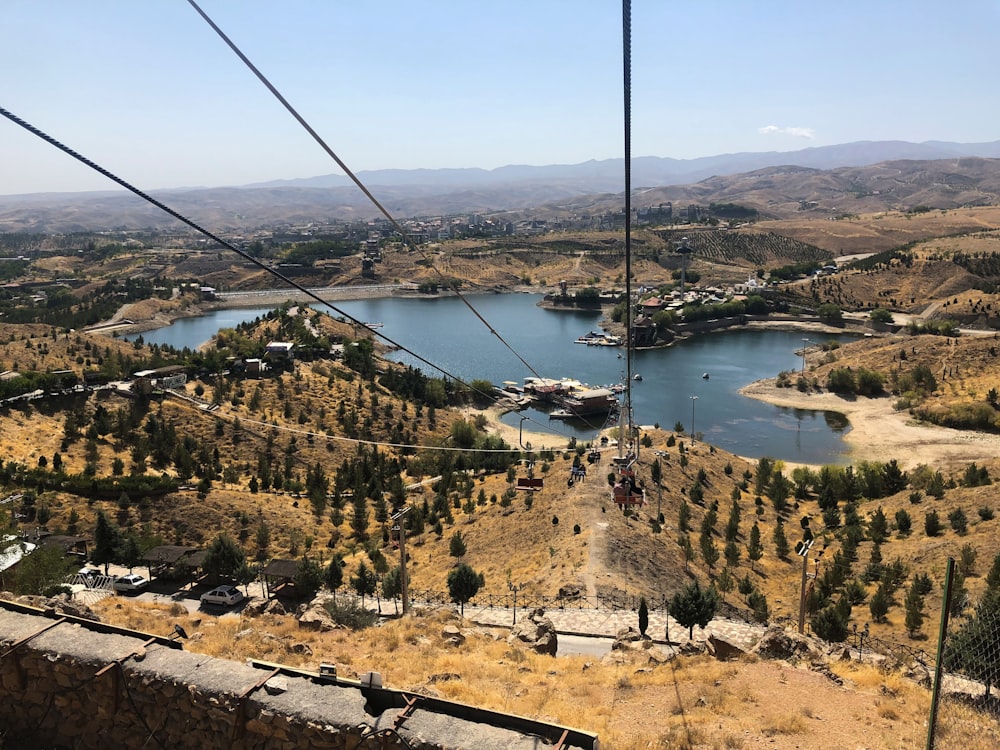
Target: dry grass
pixel 694 702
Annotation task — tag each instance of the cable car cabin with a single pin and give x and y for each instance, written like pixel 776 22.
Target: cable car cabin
pixel 531 484
pixel 627 491
pixel 594 457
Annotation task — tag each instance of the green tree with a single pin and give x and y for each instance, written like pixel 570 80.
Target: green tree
pixel 880 315
pixel 106 542
pixel 130 553
pixel 781 548
pixel 683 516
pixel 903 522
pixel 333 576
pixel 262 539
pixel 463 584
pixel 755 549
pixel 709 552
pixel 830 624
pixel 731 552
pixel 932 523
pixel 41 572
pixel 993 577
pixel 914 606
pixel 693 606
pixel 878 526
pixel 392 586
pixel 879 604
pixel 758 604
pixel 959 523
pixel 456 546
pixel 365 582
pixel 224 559
pixel 725 582
pixel 308 578
pixel 971 650
pixel 687 549
pixel 830 314
pixel 643 616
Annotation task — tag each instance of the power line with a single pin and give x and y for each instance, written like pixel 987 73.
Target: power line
pixel 340 163
pixel 229 246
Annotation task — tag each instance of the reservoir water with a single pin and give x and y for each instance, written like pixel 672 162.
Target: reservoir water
pixel 673 389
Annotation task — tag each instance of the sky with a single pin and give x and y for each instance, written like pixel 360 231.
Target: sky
pixel 147 89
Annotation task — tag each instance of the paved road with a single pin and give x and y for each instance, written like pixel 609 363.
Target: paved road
pixel 587 631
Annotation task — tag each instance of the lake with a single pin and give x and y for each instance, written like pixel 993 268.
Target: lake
pixel 672 390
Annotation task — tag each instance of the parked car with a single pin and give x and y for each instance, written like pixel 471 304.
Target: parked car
pixel 225 596
pixel 130 582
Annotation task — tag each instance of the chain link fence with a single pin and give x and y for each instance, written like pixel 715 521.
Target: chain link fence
pixel 965 710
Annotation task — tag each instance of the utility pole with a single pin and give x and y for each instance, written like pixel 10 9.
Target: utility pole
pixel 400 527
pixel 802 549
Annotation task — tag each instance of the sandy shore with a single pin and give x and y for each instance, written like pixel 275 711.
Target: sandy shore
pixel 512 435
pixel 880 433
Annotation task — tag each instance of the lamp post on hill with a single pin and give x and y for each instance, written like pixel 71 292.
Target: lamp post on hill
pixel 805 345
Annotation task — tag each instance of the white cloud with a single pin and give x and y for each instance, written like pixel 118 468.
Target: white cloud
pixel 807 133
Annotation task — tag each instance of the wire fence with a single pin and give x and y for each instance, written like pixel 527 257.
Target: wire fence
pixel 969 672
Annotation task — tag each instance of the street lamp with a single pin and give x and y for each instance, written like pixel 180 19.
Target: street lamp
pixel 805 344
pixel 693 399
pixel 514 588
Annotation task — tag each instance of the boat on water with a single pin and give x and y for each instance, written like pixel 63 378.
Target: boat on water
pixel 705 375
pixel 599 338
pixel 374 326
pixel 637 376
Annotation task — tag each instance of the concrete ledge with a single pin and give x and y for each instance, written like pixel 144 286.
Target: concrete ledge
pixel 68 681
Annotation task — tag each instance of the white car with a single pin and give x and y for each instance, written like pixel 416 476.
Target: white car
pixel 130 582
pixel 225 596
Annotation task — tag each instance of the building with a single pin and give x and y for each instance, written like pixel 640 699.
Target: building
pixel 279 351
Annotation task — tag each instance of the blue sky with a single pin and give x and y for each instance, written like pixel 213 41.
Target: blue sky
pixel 146 88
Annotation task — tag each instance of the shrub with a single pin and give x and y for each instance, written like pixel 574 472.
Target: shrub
pixel 351 614
pixel 958 521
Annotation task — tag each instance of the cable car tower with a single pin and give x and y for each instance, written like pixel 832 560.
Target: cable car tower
pixel 627 491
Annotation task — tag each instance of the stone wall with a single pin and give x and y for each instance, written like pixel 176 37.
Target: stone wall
pixel 69 682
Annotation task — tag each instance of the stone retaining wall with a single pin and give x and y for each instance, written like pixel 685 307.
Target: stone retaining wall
pixel 65 684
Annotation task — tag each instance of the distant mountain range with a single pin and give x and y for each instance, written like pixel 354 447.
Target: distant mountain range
pixel 775 182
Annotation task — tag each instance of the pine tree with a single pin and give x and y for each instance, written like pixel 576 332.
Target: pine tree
pixel 709 552
pixel 967 652
pixel 781 548
pixel 993 577
pixel 365 582
pixel 643 616
pixel 683 516
pixel 687 549
pixel 879 604
pixel 914 609
pixel 463 584
pixel 732 553
pixel 693 606
pixel 359 516
pixel 106 536
pixel 755 550
pixel 456 547
pixel 733 525
pixel 878 526
pixel 725 583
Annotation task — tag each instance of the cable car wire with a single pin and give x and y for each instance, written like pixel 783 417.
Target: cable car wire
pixel 229 246
pixel 354 178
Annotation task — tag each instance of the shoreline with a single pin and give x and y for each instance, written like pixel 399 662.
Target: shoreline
pixel 879 432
